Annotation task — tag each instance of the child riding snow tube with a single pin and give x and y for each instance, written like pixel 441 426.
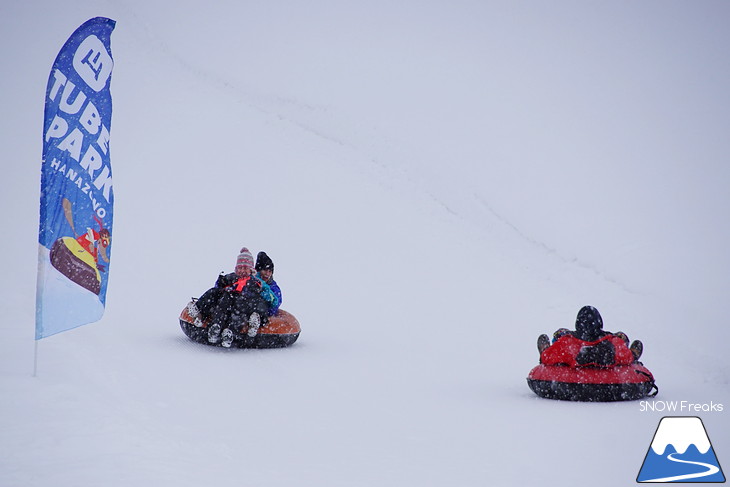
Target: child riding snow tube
pixel 280 331
pixel 590 365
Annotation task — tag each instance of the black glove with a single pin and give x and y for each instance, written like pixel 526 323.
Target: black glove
pixel 222 281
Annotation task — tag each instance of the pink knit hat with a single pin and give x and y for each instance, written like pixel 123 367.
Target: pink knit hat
pixel 245 258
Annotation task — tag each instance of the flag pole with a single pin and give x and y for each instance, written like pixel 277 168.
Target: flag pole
pixel 35 359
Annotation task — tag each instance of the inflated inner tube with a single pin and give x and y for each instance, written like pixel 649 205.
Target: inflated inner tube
pixel 619 383
pixel 282 330
pixel 604 370
pixel 74 262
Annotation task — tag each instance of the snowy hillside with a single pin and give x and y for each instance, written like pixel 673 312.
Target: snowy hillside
pixel 437 184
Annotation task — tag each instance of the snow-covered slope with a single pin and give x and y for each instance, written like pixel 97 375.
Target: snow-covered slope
pixel 437 184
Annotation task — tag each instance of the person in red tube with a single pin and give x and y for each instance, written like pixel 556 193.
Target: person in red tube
pixel 589 344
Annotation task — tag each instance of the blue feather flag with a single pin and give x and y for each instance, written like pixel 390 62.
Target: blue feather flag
pixel 77 197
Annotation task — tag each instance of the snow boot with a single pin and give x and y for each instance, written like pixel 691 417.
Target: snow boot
pixel 227 338
pixel 194 313
pixel 214 333
pixel 543 341
pixel 254 322
pixel 637 348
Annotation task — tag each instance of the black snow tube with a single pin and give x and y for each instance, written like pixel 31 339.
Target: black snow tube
pixel 593 384
pixel 282 330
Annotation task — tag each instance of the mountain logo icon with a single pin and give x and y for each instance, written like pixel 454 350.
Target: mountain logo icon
pixel 681 452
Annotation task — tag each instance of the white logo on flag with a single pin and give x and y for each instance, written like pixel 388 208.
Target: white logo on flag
pixel 93 63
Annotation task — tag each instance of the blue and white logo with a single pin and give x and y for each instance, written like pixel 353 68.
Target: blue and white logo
pixel 681 452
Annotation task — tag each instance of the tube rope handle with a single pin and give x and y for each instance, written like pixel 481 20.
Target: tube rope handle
pixel 653 384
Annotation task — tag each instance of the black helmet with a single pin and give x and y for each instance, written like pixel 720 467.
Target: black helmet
pixel 589 324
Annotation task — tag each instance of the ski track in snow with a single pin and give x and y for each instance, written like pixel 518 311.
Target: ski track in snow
pixel 549 250
pixel 389 169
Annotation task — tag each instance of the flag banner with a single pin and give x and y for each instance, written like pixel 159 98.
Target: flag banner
pixel 76 210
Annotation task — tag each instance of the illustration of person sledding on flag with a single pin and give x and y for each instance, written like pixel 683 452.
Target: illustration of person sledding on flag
pixel 77 257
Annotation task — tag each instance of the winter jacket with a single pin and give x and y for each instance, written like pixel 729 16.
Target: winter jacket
pixel 273 309
pixel 234 283
pixel 574 352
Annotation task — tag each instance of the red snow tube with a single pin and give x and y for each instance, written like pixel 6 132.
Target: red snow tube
pixel 603 370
